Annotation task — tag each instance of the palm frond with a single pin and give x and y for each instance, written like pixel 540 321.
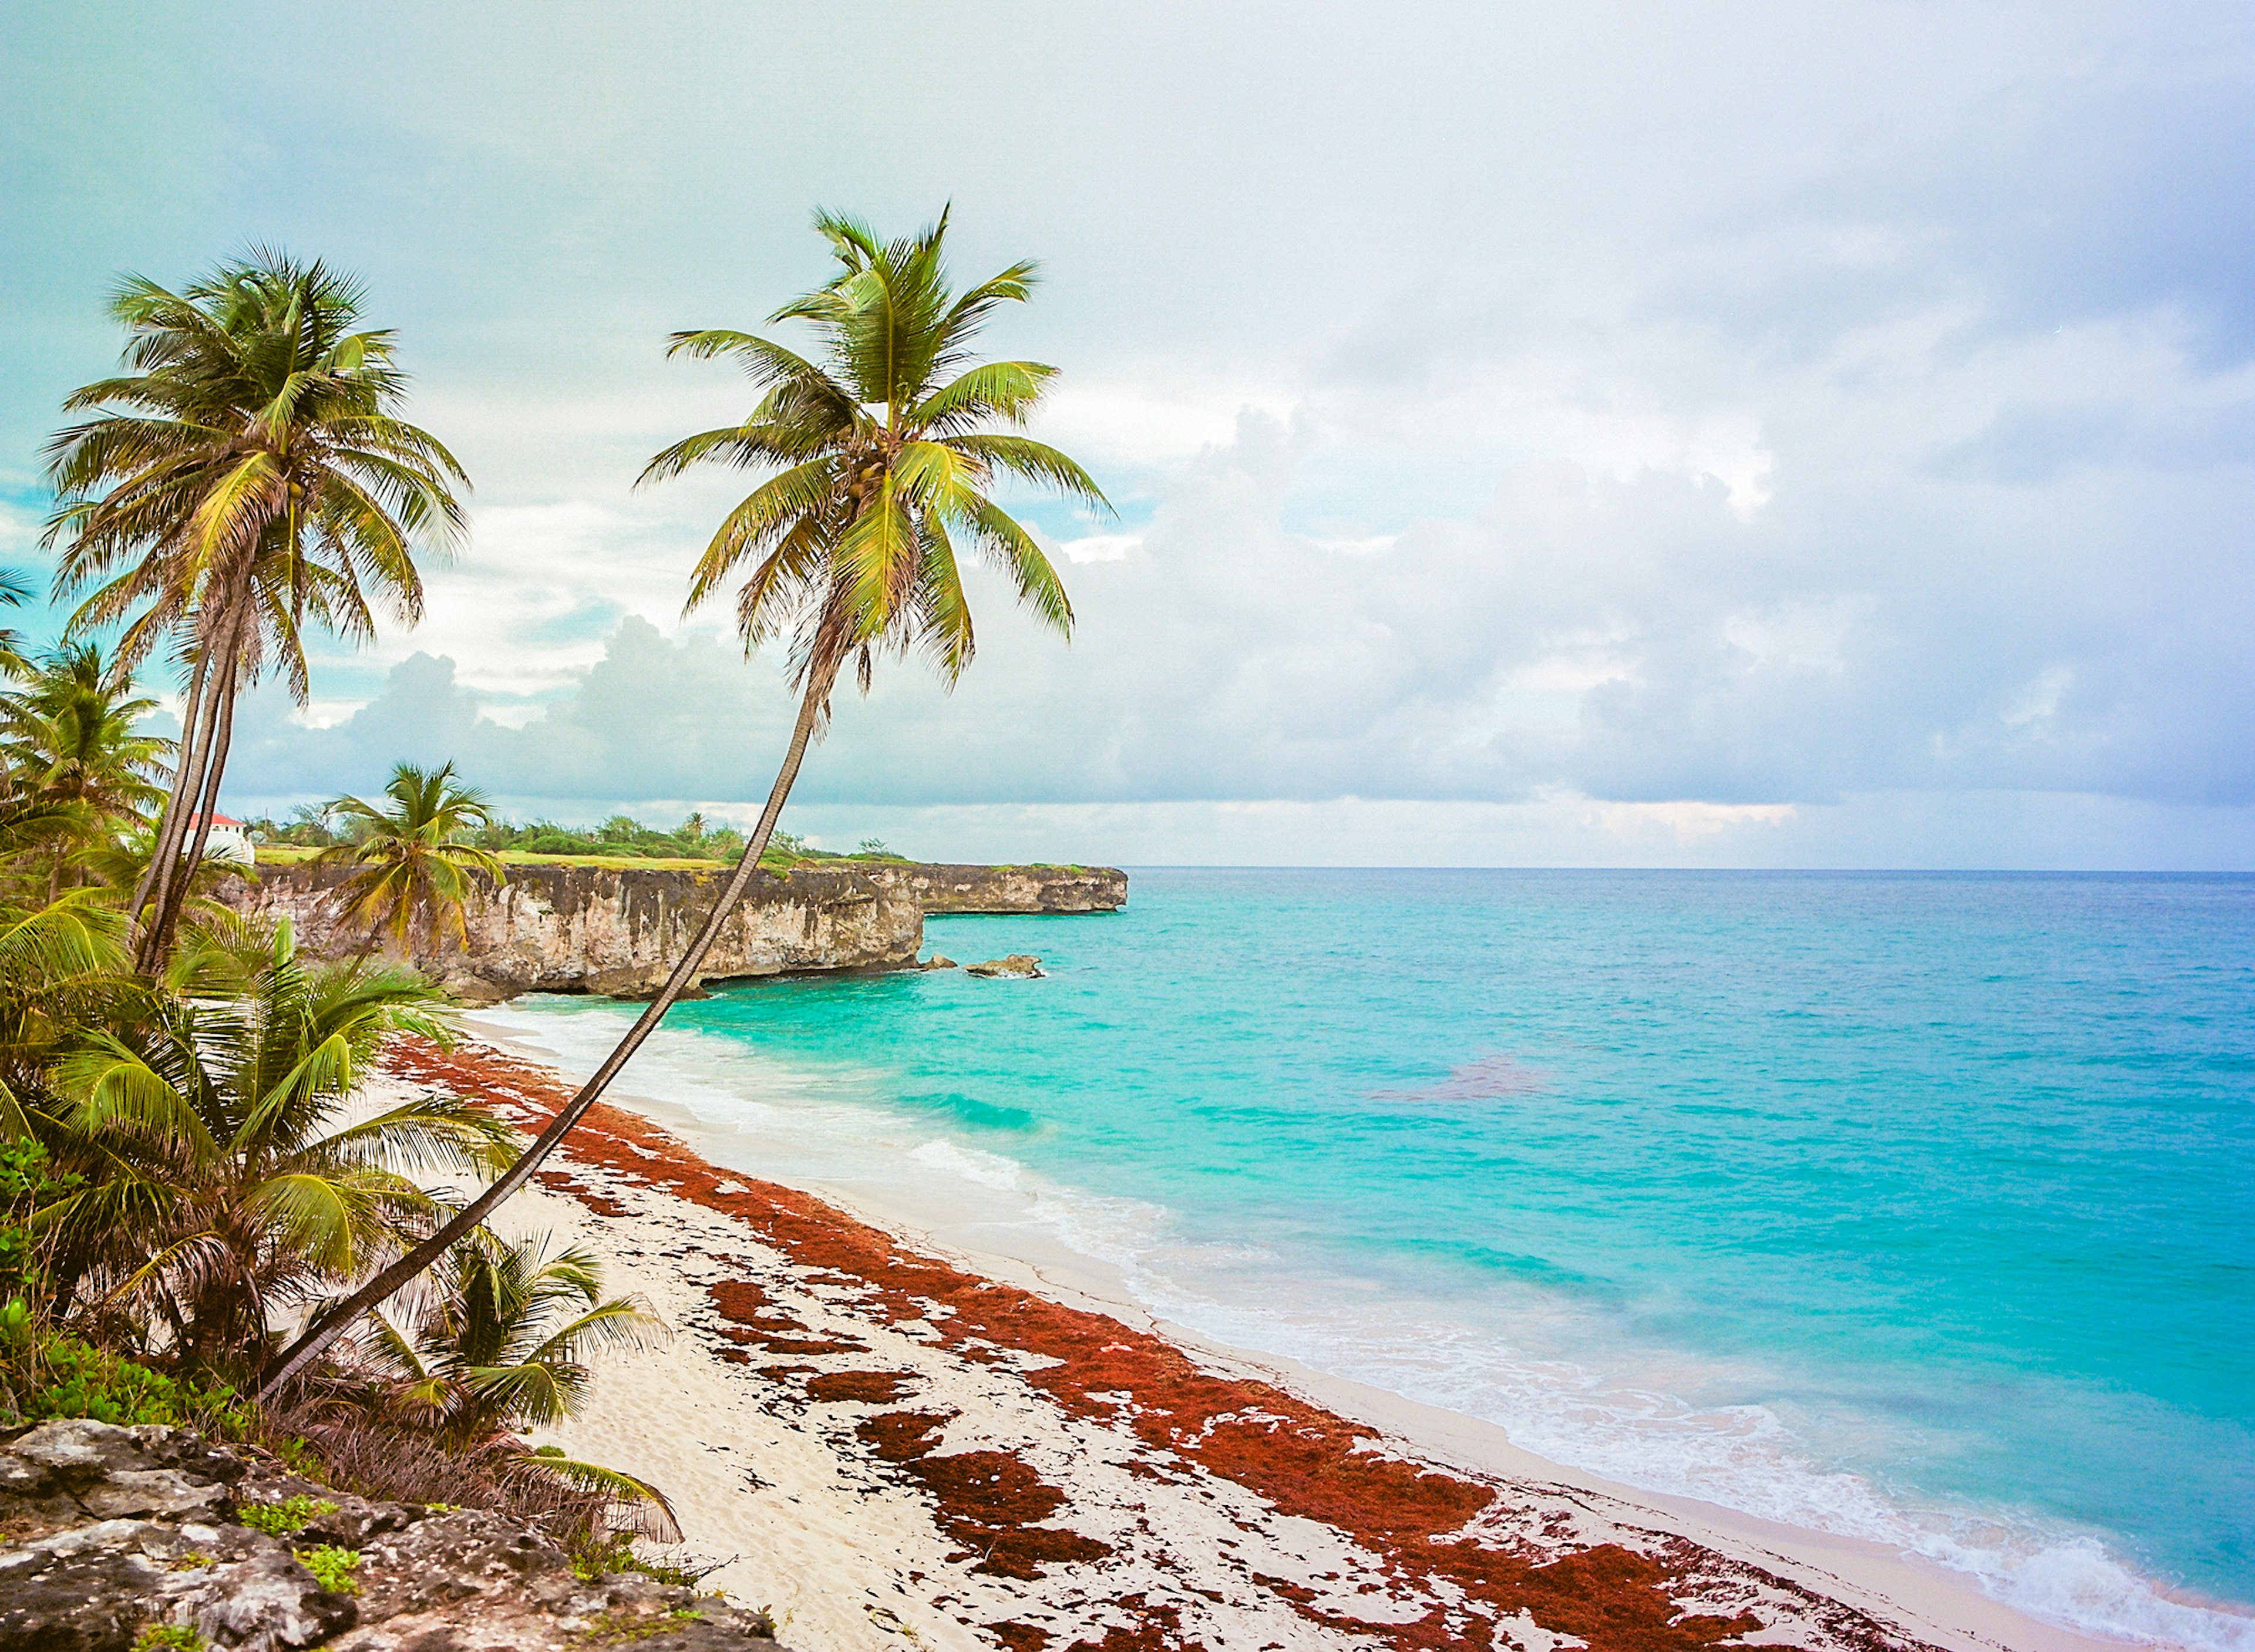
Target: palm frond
pixel 631 1504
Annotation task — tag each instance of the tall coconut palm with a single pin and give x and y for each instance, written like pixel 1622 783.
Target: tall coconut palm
pixel 880 457
pixel 414 857
pixel 248 476
pixel 225 1178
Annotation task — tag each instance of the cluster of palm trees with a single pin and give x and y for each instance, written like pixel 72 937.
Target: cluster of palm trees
pixel 250 477
pixel 187 1158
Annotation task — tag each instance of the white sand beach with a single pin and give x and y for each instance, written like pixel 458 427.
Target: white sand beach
pixel 890 1444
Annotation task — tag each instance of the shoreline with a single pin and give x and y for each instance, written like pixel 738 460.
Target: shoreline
pixel 1512 1523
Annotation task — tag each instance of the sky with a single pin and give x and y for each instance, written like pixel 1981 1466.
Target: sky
pixel 1617 434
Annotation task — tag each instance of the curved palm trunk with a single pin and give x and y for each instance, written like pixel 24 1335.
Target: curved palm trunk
pixel 179 868
pixel 191 751
pixel 168 915
pixel 188 785
pixel 331 1325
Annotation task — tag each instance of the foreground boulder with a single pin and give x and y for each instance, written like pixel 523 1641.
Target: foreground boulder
pixel 107 1534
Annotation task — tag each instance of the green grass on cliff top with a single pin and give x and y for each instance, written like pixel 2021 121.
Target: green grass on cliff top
pixel 773 861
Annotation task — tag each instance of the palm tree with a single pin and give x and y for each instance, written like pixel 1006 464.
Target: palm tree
pixel 62 964
pixel 76 744
pixel 248 476
pixel 500 1345
pixel 225 1178
pixel 14 592
pixel 881 456
pixel 414 861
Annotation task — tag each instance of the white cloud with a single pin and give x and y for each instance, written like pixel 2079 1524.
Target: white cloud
pixel 1101 547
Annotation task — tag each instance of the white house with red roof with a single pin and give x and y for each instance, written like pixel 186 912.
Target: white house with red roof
pixel 229 840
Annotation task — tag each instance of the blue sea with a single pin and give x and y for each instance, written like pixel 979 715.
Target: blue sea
pixel 1917 1207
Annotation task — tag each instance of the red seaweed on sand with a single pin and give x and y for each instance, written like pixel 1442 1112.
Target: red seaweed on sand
pixel 1439 1558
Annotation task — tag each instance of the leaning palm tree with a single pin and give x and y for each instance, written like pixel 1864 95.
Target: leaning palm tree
pixel 415 862
pixel 247 477
pixel 881 458
pixel 226 1178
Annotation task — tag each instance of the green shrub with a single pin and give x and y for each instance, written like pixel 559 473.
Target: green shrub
pixel 623 1629
pixel 26 1185
pixel 331 1567
pixel 45 1374
pixel 614 1552
pixel 286 1518
pixel 161 1637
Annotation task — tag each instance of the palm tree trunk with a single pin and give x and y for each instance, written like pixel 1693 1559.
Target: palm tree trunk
pixel 176 897
pixel 179 869
pixel 187 783
pixel 333 1324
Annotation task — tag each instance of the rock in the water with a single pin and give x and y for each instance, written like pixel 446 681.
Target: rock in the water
pixel 937 960
pixel 1021 966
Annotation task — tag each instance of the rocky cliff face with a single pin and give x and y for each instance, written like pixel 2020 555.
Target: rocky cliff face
pixel 1008 889
pixel 112 1538
pixel 590 929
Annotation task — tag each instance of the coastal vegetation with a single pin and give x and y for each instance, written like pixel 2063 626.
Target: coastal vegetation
pixel 190 1160
pixel 191 1167
pixel 621 841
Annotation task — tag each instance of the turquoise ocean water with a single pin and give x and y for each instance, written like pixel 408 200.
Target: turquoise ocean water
pixel 1920 1207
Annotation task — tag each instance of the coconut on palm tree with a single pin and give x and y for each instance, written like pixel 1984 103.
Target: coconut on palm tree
pixel 247 477
pixel 415 859
pixel 880 455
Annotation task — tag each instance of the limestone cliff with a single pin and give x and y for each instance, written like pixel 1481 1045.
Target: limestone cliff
pixel 1007 888
pixel 591 929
